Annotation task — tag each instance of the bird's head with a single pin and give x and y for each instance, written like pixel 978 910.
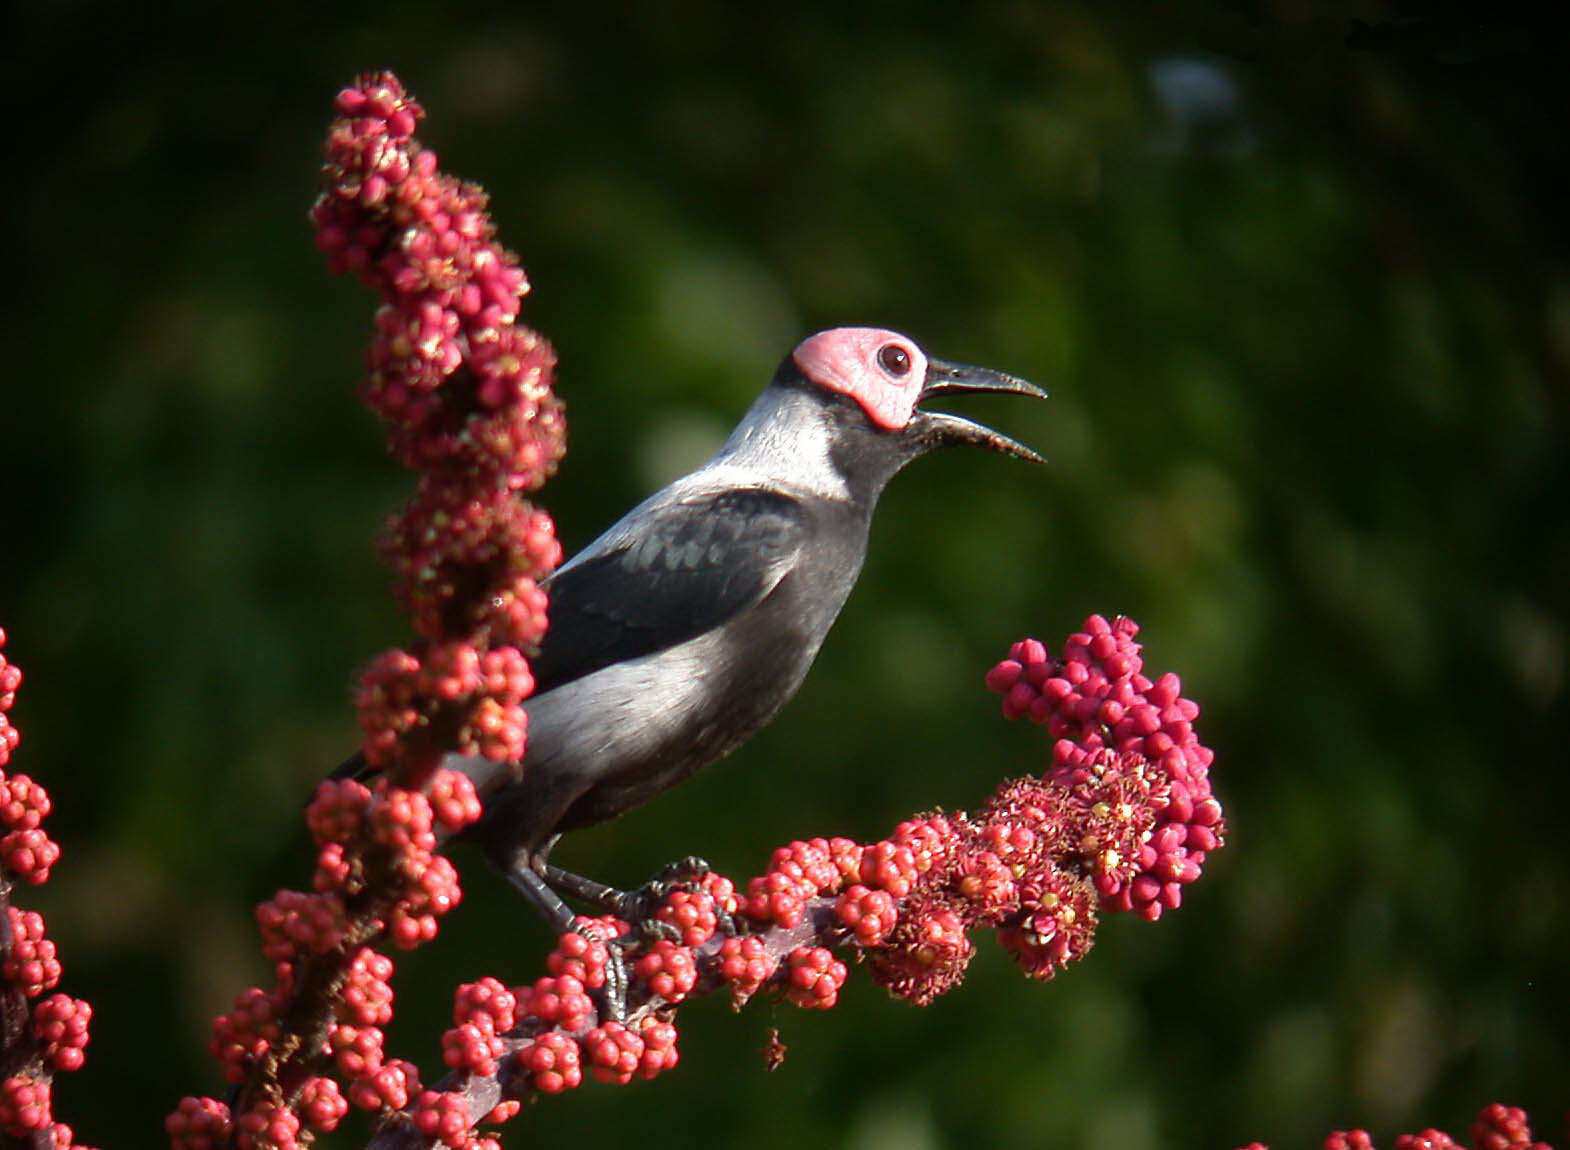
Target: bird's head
pixel 888 376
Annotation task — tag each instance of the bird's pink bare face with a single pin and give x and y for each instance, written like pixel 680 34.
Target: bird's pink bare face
pixel 881 370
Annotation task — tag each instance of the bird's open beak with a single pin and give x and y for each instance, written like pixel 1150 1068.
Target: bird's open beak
pixel 943 429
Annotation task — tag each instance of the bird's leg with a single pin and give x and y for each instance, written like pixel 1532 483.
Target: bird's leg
pixel 636 906
pixel 543 886
pixel 537 890
pixel 596 894
pixel 532 876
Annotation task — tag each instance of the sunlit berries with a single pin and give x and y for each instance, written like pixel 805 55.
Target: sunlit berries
pixel 613 1052
pixel 61 1022
pixel 814 977
pixel 442 1115
pixel 551 1062
pixel 745 964
pixel 869 914
pixel 1133 737
pixel 668 970
pixel 31 965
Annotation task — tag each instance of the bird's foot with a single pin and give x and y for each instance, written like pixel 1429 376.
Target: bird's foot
pixel 545 885
pixel 537 882
pixel 638 905
pixel 611 996
pixel 538 891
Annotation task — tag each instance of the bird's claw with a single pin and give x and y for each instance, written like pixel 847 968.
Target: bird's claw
pixel 545 884
pixel 638 906
pixel 611 995
pixel 683 870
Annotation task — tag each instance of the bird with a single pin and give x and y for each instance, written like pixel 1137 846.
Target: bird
pixel 685 627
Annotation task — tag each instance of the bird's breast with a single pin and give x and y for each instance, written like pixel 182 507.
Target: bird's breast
pixel 610 740
pixel 639 727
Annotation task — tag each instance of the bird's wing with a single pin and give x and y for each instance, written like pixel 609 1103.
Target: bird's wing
pixel 669 572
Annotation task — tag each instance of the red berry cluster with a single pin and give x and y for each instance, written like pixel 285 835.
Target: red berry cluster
pixel 1094 700
pixel 378 874
pixel 1497 1127
pixel 458 380
pixel 554 1015
pixel 56 1040
pixel 465 392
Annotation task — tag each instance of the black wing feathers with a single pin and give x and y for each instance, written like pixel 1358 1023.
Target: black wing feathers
pixel 692 564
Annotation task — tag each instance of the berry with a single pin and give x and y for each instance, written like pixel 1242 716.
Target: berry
pixel 60 1022
pixel 813 977
pixel 692 913
pixel 389 1087
pixel 890 866
pixel 779 898
pixel 552 1062
pixel 559 1001
pixel 293 923
pixel 472 1048
pixel 745 964
pixel 367 996
pixel 23 803
pixel 668 970
pixel 659 1046
pixel 357 1050
pixel 268 1126
pixel 869 914
pixel 581 956
pixel 24 1105
pixel 613 1052
pixel 28 854
pixel 442 1115
pixel 485 1002
pixel 322 1106
pixel 1499 1127
pixel 198 1124
pixel 1349 1140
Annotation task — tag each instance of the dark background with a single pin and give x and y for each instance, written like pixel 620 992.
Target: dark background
pixel 1296 276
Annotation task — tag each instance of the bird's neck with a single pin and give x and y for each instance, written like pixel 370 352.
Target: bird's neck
pixel 815 442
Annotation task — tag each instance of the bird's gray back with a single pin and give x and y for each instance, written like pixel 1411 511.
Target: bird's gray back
pixel 725 621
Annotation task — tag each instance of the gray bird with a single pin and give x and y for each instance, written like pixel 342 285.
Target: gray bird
pixel 683 629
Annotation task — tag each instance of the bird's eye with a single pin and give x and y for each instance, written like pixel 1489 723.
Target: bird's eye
pixel 894 358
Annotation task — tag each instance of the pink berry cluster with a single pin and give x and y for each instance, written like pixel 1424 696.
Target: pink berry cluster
pixel 460 383
pixel 1095 702
pixel 1497 1127
pixel 378 877
pixel 49 1034
pixel 465 393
